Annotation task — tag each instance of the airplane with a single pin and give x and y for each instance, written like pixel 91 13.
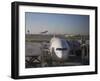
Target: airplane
pixel 59 49
pixel 44 32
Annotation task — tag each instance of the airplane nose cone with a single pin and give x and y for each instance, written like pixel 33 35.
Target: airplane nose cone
pixel 62 55
pixel 59 54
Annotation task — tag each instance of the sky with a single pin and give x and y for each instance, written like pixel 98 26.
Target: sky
pixel 56 23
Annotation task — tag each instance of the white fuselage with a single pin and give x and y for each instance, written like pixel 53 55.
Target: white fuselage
pixel 59 49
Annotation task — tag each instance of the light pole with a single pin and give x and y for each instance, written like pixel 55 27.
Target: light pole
pixel 28 31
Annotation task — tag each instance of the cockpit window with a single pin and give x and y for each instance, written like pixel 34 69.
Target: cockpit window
pixel 61 49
